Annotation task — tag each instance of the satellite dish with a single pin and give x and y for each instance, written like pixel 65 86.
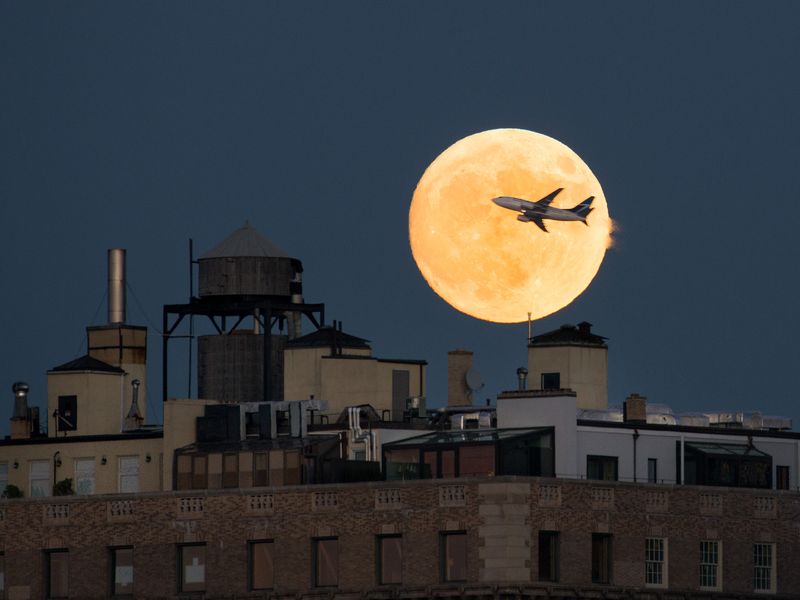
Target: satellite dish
pixel 473 381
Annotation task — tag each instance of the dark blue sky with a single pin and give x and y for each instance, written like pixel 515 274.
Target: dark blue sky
pixel 142 124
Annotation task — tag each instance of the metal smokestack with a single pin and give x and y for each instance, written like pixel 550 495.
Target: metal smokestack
pixel 116 285
pixel 20 390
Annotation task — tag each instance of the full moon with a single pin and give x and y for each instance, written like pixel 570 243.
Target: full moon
pixel 477 256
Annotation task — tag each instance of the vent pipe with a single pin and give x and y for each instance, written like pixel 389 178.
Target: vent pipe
pixel 116 286
pixel 522 377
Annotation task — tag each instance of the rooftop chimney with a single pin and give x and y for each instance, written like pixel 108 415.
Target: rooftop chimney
pixel 116 286
pixel 20 419
pixel 634 410
pixel 459 362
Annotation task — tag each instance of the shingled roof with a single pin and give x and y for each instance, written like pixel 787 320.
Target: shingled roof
pixel 245 241
pixel 570 335
pixel 87 363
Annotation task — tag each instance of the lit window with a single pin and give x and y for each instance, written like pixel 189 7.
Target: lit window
pixel 655 562
pixel 548 556
pixel 192 562
pixel 390 559
pixel 601 558
pixel 67 417
pixel 262 565
pixel 454 556
pixel 764 567
pixel 603 468
pixel 2 575
pixel 122 571
pixel 326 562
pixel 39 471
pixel 57 562
pixel 710 561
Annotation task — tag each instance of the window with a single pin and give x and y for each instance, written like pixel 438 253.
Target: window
pixel 84 476
pixel 122 571
pixel 261 565
pixel 326 562
pixel 192 565
pixel 199 472
pixel 390 559
pixel 3 477
pixel 128 474
pixel 230 470
pixel 710 561
pixel 260 469
pixel 2 575
pixel 782 477
pixel 764 567
pixel 476 461
pixel 601 467
pixel 652 470
pixel 551 381
pixel 276 467
pixel 548 556
pixel 57 572
pixel 655 562
pixel 39 472
pixel 601 558
pixel 67 418
pixel 454 556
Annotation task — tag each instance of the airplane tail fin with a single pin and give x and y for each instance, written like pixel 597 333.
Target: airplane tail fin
pixel 584 208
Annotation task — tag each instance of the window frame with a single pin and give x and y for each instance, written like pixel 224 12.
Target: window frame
pixel 553 539
pixel 771 573
pixel 48 572
pixel 181 571
pixel 607 541
pixel 717 566
pixel 120 460
pixel 653 548
pixel 48 488
pixel 112 551
pixel 379 559
pixel 317 544
pixel 251 544
pixel 444 536
pixel 602 460
pixel 552 376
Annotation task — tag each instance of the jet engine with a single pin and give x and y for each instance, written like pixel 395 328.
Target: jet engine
pixel 523 218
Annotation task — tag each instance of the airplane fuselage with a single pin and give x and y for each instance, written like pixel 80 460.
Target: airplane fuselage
pixel 532 208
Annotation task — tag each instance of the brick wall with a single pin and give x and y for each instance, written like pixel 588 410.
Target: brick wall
pixel 501 516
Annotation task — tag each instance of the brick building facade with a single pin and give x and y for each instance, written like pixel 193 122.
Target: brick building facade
pixel 487 536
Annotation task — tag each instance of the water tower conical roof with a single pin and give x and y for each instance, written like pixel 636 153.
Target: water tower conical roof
pixel 245 241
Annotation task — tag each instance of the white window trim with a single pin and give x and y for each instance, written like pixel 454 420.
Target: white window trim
pixel 718 587
pixel 664 565
pixel 773 573
pixel 48 480
pixel 138 473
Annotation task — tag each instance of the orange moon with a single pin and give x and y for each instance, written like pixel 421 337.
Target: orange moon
pixel 477 256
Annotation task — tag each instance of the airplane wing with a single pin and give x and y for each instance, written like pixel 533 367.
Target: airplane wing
pixel 549 198
pixel 538 220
